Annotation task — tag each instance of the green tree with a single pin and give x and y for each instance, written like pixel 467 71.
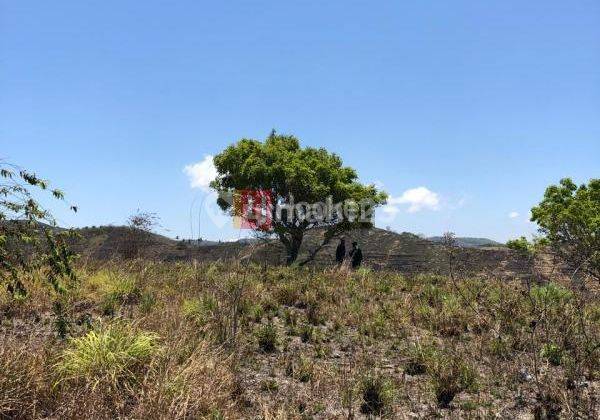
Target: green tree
pixel 297 176
pixel 521 245
pixel 569 217
pixel 29 240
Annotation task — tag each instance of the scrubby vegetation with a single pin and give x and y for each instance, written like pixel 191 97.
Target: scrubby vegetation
pixel 151 340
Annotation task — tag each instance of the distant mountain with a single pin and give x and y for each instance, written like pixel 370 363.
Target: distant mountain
pixel 467 242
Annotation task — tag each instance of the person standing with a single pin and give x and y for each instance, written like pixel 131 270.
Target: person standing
pixel 340 252
pixel 356 255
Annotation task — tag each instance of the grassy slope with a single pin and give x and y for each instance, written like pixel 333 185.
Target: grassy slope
pixel 187 340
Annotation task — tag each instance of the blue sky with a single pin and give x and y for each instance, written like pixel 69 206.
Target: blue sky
pixel 466 109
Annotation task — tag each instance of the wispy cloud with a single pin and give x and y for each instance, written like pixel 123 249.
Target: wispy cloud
pixel 202 173
pixel 513 215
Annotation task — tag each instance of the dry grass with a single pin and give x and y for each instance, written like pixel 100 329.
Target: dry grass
pixel 23 386
pixel 174 340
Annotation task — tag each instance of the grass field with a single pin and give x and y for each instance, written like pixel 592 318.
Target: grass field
pixel 182 340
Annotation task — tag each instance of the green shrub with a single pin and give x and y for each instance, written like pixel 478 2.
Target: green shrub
pixel 147 302
pixel 108 355
pixel 550 296
pixel 521 245
pixel 306 333
pixel 269 385
pixel 450 375
pixel 201 310
pixel 267 338
pixel 376 326
pixel 553 353
pixel 377 395
pixel 419 357
pixel 115 289
pixel 304 370
pixel 256 312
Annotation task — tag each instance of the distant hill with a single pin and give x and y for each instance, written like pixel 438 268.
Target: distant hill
pixel 382 249
pixel 467 242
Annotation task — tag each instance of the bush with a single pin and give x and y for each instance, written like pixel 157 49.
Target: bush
pixel 553 353
pixel 450 375
pixel 115 289
pixel 304 370
pixel 377 395
pixel 569 217
pixel 269 385
pixel 256 312
pixel 521 245
pixel 267 338
pixel 306 333
pixel 199 310
pixel 550 296
pixel 419 356
pixel 109 355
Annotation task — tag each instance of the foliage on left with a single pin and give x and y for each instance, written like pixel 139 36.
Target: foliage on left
pixel 31 243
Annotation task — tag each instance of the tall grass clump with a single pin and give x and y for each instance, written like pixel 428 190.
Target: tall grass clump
pixel 451 375
pixel 201 311
pixel 420 355
pixel 550 296
pixel 110 355
pixel 377 395
pixel 21 379
pixel 114 289
pixel 267 338
pixel 197 386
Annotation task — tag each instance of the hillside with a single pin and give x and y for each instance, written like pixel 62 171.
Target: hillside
pixel 382 249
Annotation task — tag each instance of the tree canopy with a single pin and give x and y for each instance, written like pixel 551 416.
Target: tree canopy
pixel 294 175
pixel 569 216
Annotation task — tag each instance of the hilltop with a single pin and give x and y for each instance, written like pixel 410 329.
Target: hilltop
pixel 468 242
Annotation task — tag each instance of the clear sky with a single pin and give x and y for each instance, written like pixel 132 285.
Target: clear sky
pixel 463 110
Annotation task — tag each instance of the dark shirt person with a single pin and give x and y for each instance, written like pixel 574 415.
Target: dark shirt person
pixel 340 252
pixel 356 255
